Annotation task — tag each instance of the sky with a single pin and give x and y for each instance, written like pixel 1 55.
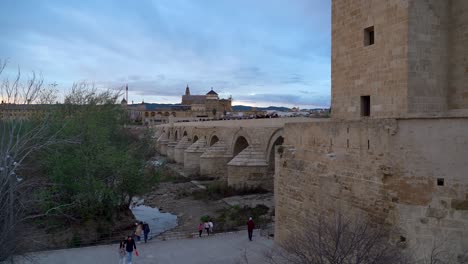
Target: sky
pixel 260 52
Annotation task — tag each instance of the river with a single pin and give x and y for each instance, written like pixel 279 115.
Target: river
pixel 157 221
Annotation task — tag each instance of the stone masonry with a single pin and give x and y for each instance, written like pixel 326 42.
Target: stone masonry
pixel 235 151
pixel 396 147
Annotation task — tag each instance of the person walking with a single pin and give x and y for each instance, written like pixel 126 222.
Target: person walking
pixel 138 230
pixel 250 227
pixel 200 229
pixel 210 224
pixel 146 231
pixel 129 247
pixel 207 228
pixel 122 251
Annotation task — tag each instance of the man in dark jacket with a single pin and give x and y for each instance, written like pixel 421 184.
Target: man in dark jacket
pixel 250 227
pixel 129 246
pixel 146 231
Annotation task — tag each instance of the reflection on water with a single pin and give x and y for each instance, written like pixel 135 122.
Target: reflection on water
pixel 158 222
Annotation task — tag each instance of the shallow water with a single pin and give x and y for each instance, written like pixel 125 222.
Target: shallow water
pixel 158 222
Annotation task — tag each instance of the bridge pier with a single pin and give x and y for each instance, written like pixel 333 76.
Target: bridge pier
pixel 249 169
pixel 162 144
pixel 156 136
pixel 180 148
pixel 170 151
pixel 213 162
pixel 192 157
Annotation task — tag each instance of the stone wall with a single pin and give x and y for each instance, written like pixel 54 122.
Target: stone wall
pixel 379 70
pixel 418 64
pixel 458 50
pixel 386 168
pixel 210 158
pixel 428 26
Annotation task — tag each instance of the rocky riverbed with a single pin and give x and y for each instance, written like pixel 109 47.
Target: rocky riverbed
pixel 175 195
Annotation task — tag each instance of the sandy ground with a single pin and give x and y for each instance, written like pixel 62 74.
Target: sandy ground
pixel 222 248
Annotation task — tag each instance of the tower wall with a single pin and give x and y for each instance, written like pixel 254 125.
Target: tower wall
pixel 378 70
pixel 428 55
pixel 458 55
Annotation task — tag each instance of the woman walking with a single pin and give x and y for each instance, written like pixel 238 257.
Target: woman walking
pixel 129 247
pixel 210 224
pixel 207 228
pixel 138 230
pixel 122 251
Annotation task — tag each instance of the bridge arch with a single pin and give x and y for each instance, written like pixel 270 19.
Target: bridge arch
pixel 239 145
pixel 213 140
pixel 275 140
pixel 240 141
pixel 185 133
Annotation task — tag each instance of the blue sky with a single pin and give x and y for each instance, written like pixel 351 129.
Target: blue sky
pixel 262 52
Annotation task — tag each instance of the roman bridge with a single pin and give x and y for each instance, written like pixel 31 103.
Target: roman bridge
pixel 240 152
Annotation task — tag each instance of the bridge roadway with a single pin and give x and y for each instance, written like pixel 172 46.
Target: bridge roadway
pixel 221 248
pixel 240 152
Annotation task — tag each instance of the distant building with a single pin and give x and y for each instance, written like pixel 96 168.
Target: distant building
pixel 208 105
pixel 192 107
pixel 19 111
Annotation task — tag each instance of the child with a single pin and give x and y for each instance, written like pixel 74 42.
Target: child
pixel 122 252
pixel 200 229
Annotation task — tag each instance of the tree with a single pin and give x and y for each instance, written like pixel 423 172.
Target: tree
pixel 339 239
pixel 24 129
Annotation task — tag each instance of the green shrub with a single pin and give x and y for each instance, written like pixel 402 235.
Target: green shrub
pixel 236 216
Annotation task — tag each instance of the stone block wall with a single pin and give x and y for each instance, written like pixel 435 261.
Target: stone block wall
pixel 458 51
pixel 390 169
pixel 379 70
pixel 248 176
pixel 428 28
pixel 417 65
pixel 215 167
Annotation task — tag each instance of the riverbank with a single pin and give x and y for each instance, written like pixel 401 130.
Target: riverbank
pixel 190 200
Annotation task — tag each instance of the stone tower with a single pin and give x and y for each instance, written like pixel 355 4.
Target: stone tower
pixel 187 90
pixel 399 58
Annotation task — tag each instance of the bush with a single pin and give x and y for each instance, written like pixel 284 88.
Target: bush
pixel 236 216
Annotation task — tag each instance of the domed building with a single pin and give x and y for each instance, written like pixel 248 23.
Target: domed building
pixel 208 105
pixel 192 107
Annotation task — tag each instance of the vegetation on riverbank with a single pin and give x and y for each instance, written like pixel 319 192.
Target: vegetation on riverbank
pixel 217 190
pixel 232 218
pixel 66 166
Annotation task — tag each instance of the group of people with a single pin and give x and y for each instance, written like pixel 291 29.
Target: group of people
pixel 208 226
pixel 142 227
pixel 128 245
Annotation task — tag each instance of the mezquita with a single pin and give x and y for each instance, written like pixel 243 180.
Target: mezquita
pixel 192 107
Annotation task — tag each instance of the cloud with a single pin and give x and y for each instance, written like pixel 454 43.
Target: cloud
pixel 273 48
